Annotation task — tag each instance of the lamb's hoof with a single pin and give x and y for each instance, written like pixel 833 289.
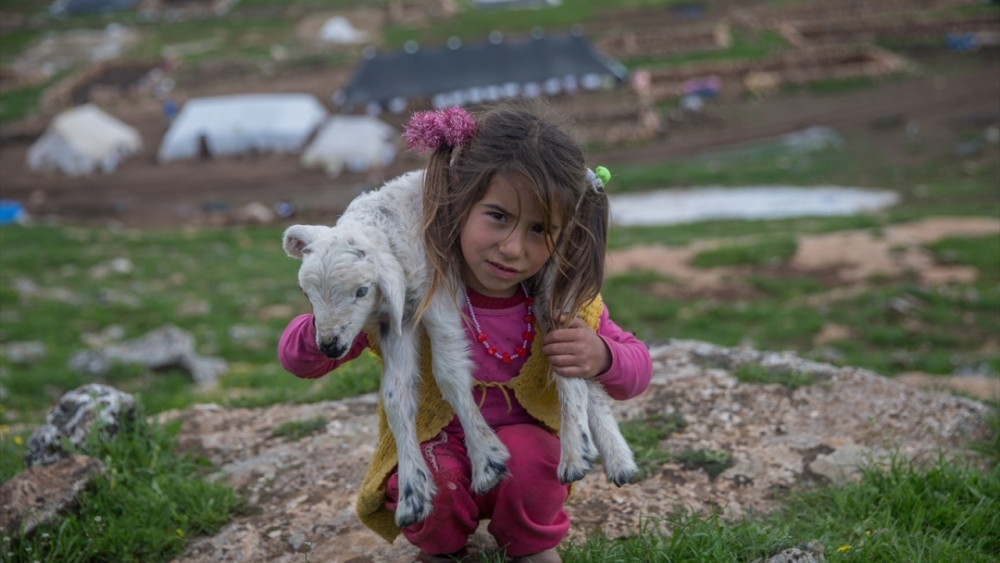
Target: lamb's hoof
pixel 570 473
pixel 488 476
pixel 623 475
pixel 412 507
pixel 410 513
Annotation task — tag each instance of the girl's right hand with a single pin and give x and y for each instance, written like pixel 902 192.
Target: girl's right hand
pixel 576 350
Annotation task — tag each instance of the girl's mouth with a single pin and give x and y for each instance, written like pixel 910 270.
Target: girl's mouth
pixel 501 271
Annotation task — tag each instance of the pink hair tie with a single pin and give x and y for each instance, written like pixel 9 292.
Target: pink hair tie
pixel 428 130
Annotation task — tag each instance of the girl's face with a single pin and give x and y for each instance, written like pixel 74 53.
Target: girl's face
pixel 503 238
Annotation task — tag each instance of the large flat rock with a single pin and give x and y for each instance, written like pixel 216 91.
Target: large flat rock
pixel 302 493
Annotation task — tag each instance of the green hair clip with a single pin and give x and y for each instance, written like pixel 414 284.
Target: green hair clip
pixel 598 178
pixel 603 173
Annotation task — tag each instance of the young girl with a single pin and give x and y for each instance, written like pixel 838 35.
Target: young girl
pixel 508 201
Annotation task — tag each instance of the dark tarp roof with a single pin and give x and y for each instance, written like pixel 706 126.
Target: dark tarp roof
pixel 74 7
pixel 430 72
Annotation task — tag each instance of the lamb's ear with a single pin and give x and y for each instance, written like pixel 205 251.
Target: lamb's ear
pixel 392 285
pixel 297 237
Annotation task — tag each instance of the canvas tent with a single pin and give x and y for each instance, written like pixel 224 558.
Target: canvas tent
pixel 485 72
pixel 357 142
pixel 339 30
pixel 82 140
pixel 227 125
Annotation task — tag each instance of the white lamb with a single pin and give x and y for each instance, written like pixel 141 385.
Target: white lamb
pixel 370 271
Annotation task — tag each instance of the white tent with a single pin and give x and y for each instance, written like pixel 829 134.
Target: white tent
pixel 339 30
pixel 357 142
pixel 242 123
pixel 82 140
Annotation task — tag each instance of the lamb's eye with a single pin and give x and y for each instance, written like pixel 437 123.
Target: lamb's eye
pixel 361 292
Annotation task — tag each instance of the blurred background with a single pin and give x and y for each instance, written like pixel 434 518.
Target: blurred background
pixel 818 176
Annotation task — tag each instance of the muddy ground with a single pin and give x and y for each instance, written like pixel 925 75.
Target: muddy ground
pixel 951 90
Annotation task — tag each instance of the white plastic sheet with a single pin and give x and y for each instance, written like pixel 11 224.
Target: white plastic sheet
pixel 672 206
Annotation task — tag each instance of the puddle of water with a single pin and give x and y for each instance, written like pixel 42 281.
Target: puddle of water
pixel 672 206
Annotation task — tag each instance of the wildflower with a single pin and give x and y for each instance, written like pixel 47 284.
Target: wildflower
pixel 97 518
pixel 843 549
pixel 18 440
pixel 180 533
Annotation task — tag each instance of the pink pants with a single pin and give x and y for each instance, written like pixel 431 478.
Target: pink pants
pixel 525 510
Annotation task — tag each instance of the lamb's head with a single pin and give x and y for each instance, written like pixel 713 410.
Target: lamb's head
pixel 350 280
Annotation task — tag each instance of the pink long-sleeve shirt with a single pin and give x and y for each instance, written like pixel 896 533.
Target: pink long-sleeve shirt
pixel 502 320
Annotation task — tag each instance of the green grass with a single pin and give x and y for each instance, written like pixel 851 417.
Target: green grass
pixel 946 333
pixel 713 462
pixel 295 430
pixel 773 252
pixel 14 41
pixel 146 508
pixel 756 373
pixel 475 25
pixel 644 437
pixel 226 279
pixel 941 513
pixel 745 45
pixel 19 103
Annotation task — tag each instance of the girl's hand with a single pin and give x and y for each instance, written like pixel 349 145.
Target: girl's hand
pixel 576 351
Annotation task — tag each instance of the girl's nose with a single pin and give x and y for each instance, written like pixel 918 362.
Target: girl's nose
pixel 511 245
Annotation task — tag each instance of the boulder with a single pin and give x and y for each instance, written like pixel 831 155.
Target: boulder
pixel 73 419
pixel 162 348
pixel 38 494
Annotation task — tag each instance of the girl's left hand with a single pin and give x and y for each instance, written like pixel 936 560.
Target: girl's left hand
pixel 576 351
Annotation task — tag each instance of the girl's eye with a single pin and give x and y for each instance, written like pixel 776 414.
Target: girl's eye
pixel 497 215
pixel 361 292
pixel 538 229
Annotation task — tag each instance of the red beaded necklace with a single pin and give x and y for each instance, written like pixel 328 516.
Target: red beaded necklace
pixel 528 335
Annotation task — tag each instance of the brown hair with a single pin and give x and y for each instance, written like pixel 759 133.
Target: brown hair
pixel 513 139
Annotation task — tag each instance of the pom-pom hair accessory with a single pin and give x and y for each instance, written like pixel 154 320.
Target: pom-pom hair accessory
pixel 598 178
pixel 428 130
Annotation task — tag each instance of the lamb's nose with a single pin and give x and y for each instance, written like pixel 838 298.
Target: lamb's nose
pixel 332 349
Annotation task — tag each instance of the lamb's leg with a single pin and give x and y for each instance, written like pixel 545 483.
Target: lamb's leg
pixel 619 464
pixel 577 450
pixel 399 377
pixel 453 373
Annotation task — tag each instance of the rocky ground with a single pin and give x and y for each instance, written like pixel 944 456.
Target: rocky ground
pixel 301 494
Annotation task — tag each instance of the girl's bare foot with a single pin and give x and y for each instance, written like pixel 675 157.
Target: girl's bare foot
pixel 547 556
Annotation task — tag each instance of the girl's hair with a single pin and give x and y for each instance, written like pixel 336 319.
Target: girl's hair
pixel 513 140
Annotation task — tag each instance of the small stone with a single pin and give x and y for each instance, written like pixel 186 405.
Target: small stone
pixel 23 353
pixel 297 540
pixel 812 552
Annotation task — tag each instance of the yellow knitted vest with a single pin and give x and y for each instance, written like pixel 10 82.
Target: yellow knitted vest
pixel 532 389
